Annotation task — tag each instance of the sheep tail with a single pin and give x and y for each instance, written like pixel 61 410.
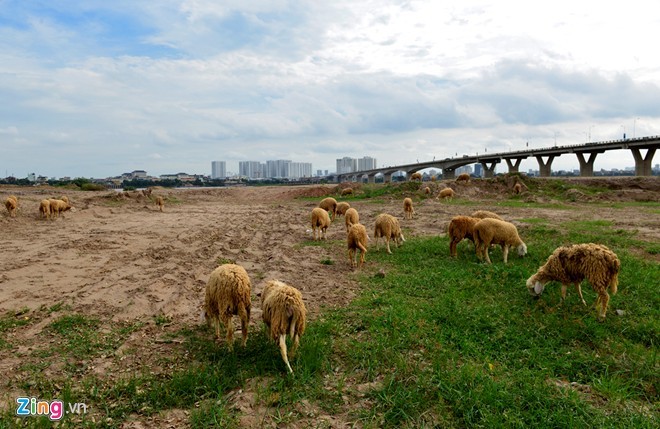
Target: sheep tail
pixel 294 321
pixel 362 248
pixel 614 282
pixel 283 352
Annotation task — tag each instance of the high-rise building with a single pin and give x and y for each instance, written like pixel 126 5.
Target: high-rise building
pixel 300 169
pixel 478 170
pixel 218 169
pixel 350 165
pixel 251 169
pixel 366 163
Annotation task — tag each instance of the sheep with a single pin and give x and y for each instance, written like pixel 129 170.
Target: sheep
pixel 446 193
pixel 330 205
pixel 57 207
pixel 227 295
pixel 387 226
pixel 416 176
pixel 320 220
pixel 284 313
pixel 517 188
pixel 408 210
pixel 44 208
pixel 11 203
pixel 494 231
pixel 572 264
pixel 347 191
pixel 357 240
pixel 463 177
pixel 341 208
pixel 160 202
pixel 65 199
pixel 460 227
pixel 351 217
pixel 427 190
pixel 484 214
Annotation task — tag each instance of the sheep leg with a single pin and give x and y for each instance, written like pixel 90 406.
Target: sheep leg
pixel 579 291
pixel 604 298
pixel 350 257
pixel 563 292
pixel 283 352
pixel 230 331
pixel 485 249
pixel 388 245
pixel 361 258
pixel 505 252
pixel 245 319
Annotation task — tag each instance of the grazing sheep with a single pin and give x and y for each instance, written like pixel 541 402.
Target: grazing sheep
pixel 357 240
pixel 347 191
pixel 228 295
pixel 572 264
pixel 494 231
pixel 447 193
pixel 408 210
pixel 11 203
pixel 330 205
pixel 427 190
pixel 160 202
pixel 284 313
pixel 460 227
pixel 341 208
pixel 416 176
pixel 351 217
pixel 65 199
pixel 57 207
pixel 485 214
pixel 44 208
pixel 147 192
pixel 387 226
pixel 320 220
pixel 463 177
pixel 433 179
pixel 517 188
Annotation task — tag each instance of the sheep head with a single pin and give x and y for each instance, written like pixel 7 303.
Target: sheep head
pixel 534 286
pixel 522 249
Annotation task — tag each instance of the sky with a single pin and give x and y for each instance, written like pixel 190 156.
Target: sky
pixel 99 88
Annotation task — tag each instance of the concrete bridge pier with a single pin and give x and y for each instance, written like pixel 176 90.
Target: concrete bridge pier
pixel 387 177
pixel 513 167
pixel 489 170
pixel 643 165
pixel 545 168
pixel 371 178
pixel 587 166
pixel 448 173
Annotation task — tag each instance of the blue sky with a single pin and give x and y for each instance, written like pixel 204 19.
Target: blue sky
pixel 98 88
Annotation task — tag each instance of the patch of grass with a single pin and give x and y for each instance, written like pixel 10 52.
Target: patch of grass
pixel 223 261
pixel 327 261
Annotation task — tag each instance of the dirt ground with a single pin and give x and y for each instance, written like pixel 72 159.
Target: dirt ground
pixel 121 259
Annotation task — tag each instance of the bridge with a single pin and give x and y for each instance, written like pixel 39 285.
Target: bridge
pixel 586 154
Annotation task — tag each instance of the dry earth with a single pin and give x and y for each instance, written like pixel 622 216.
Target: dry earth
pixel 121 259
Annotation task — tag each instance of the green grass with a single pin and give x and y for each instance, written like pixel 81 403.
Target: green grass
pixel 440 342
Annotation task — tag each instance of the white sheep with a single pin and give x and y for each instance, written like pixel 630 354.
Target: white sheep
pixel 330 205
pixel 351 217
pixel 228 295
pixel 320 221
pixel 341 208
pixel 517 188
pixel 284 313
pixel 446 193
pixel 357 240
pixel 387 226
pixel 572 264
pixel 408 210
pixel 494 231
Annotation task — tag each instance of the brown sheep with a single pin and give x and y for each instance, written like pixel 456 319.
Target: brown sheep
pixel 330 205
pixel 463 177
pixel 57 207
pixel 416 176
pixel 572 264
pixel 408 210
pixel 347 191
pixel 341 208
pixel 320 221
pixel 387 226
pixel 485 214
pixel 11 204
pixel 44 209
pixel 517 188
pixel 460 227
pixel 446 193
pixel 357 240
pixel 228 295
pixel 160 202
pixel 427 190
pixel 351 218
pixel 494 231
pixel 284 313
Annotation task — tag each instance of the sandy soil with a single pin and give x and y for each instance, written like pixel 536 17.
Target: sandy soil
pixel 121 259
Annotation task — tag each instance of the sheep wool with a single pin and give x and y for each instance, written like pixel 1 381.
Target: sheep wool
pixel 463 177
pixel 494 231
pixel 284 313
pixel 572 264
pixel 227 295
pixel 44 208
pixel 351 217
pixel 320 221
pixel 341 208
pixel 460 227
pixel 330 205
pixel 387 226
pixel 446 193
pixel 408 210
pixel 347 191
pixel 11 204
pixel 517 188
pixel 357 240
pixel 485 214
pixel 160 202
pixel 416 176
